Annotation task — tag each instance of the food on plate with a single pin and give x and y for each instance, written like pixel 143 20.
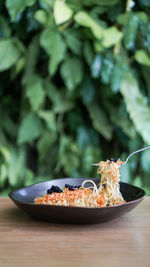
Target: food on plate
pixel 107 193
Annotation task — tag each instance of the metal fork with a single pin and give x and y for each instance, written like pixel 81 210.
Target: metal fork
pixel 133 153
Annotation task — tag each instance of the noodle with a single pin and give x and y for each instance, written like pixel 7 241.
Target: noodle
pixel 106 194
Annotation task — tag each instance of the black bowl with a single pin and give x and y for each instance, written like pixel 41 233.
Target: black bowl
pixel 24 197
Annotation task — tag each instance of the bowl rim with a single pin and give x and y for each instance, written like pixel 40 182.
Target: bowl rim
pixel 74 207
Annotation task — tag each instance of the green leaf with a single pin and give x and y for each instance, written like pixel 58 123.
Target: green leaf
pixel 88 52
pixel 121 120
pixel 83 19
pixel 31 59
pixel 91 154
pixel 143 16
pixel 45 143
pixel 30 129
pixel 35 92
pixel 86 136
pixel 111 36
pixel 107 68
pixel 9 54
pixel 5 153
pixel 29 177
pixel 7 123
pixel 119 70
pixel 16 6
pixel 54 45
pixel 49 118
pixel 69 152
pixel 3 174
pixel 98 47
pixel 16 166
pixel 73 41
pixel 131 31
pixel 99 120
pixel 144 3
pixel 5 31
pixel 72 72
pixel 65 14
pixel 124 18
pixel 137 181
pixel 41 16
pixel 60 99
pixel 137 106
pixel 142 57
pixel 88 90
pixel 100 2
pixel 46 4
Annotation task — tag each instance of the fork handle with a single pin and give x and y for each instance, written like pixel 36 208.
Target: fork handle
pixel 140 150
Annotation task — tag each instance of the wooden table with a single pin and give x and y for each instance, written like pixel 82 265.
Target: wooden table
pixel 27 242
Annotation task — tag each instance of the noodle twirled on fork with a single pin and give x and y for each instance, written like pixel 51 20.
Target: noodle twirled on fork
pixel 106 194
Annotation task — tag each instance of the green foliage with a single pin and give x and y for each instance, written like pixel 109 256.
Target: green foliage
pixel 16 7
pixel 71 72
pixel 52 41
pixel 74 89
pixel 136 105
pixel 142 57
pixel 9 53
pixel 30 128
pixel 65 14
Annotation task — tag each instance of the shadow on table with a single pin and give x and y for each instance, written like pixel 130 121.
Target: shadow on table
pixel 19 219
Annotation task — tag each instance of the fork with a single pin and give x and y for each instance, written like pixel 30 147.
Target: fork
pixel 133 153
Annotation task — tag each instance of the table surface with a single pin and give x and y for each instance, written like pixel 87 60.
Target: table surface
pixel 25 241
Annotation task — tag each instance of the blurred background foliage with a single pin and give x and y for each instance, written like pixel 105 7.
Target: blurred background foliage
pixel 74 89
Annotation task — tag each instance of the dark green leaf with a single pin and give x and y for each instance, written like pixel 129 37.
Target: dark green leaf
pixel 9 54
pixel 120 68
pixel 35 92
pixel 7 123
pixel 144 3
pixel 49 118
pixel 99 120
pixel 131 31
pixel 88 52
pixel 31 59
pixel 16 6
pixel 136 105
pixel 5 31
pixel 30 129
pixel 87 90
pixel 45 143
pixel 61 101
pixel 16 165
pixel 107 68
pixel 69 154
pixel 100 2
pixel 72 72
pixel 54 45
pixel 3 174
pixel 73 42
pixel 121 120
